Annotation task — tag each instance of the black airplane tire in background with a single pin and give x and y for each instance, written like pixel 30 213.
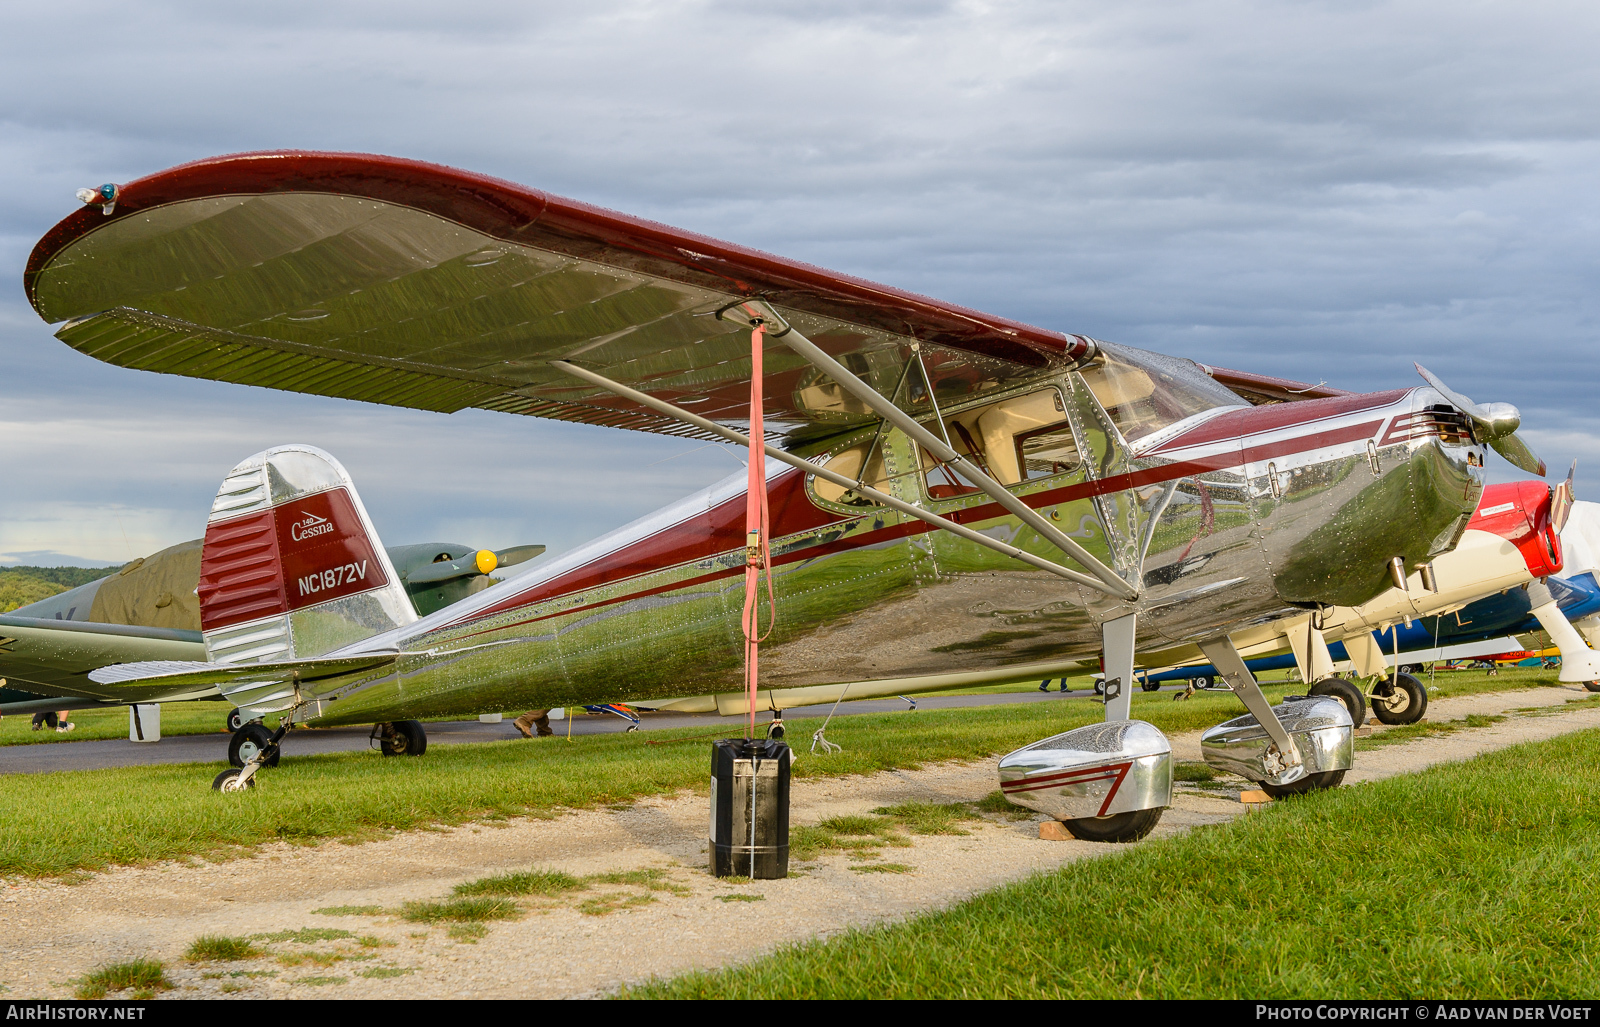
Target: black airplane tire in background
pixel 249 740
pixel 1386 704
pixel 1118 827
pixel 235 720
pixel 1346 693
pixel 409 739
pixel 1309 783
pixel 1592 686
pixel 1150 686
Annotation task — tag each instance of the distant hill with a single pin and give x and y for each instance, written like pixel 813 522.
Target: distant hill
pixel 20 586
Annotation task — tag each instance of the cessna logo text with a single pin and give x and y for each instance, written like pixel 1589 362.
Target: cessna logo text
pixel 325 581
pixel 310 526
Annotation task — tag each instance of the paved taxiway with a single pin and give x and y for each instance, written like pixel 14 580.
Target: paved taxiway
pixel 213 748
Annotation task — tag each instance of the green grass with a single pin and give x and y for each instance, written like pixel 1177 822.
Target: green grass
pixel 531 882
pixel 317 982
pixel 460 911
pixel 601 905
pixel 1402 733
pixel 219 947
pixel 1469 880
pixel 89 820
pixel 385 971
pixel 929 817
pixel 349 910
pixel 304 935
pixel 143 977
pixel 881 868
pixel 203 717
pixel 736 897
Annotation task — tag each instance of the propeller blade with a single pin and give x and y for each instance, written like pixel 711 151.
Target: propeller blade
pixel 1518 453
pixel 517 554
pixel 1561 498
pixel 1493 423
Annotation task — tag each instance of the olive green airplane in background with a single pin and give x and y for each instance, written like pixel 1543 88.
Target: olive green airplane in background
pixel 148 610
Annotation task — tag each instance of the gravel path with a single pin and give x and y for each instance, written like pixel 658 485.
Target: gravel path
pixel 52 932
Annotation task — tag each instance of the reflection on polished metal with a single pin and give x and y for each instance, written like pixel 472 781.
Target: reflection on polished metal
pixel 1320 726
pixel 822 472
pixel 1231 665
pixel 308 273
pixel 1093 771
pixel 791 337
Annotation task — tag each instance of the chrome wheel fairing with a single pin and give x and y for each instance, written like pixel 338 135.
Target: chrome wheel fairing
pixel 1094 771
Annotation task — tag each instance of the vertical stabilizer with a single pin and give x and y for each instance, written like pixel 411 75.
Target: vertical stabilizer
pixel 291 567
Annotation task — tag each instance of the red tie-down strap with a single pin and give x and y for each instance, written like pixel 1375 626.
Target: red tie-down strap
pixel 757 521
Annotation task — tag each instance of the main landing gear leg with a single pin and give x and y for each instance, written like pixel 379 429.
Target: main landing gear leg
pixel 1117 638
pixel 256 752
pixel 1226 659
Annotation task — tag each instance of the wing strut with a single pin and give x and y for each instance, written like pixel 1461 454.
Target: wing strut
pixel 753 312
pixel 728 434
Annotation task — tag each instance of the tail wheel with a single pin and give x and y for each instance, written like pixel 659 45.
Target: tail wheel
pixel 1346 693
pixel 248 742
pixel 1309 783
pixel 1401 701
pixel 406 739
pixel 228 781
pixel 1118 827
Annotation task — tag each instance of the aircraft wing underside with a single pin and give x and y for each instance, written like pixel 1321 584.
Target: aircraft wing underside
pixel 416 285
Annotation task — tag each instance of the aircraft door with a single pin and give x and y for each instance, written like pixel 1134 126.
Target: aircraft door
pixel 1125 514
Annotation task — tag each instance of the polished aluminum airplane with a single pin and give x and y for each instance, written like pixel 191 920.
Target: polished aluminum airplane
pixel 956 497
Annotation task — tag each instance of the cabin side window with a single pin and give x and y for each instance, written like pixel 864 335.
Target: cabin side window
pixel 848 461
pixel 1013 441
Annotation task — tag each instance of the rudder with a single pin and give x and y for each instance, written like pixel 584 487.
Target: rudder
pixel 291 567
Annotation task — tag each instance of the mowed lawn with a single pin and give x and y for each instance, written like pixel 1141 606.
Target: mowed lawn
pixel 1471 880
pixel 86 820
pixel 61 823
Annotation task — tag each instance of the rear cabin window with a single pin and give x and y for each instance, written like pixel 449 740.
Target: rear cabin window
pixel 1013 441
pixel 1144 392
pixel 848 461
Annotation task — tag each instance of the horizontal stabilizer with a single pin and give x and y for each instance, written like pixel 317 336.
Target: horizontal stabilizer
pixel 226 675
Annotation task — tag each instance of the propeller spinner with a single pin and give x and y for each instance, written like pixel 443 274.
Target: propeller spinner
pixel 1493 423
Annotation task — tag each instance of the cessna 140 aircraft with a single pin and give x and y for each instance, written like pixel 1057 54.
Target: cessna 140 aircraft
pixel 966 498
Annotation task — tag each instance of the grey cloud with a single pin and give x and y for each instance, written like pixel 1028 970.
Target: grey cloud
pixel 1321 190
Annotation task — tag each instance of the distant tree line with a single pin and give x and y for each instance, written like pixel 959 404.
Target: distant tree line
pixel 20 586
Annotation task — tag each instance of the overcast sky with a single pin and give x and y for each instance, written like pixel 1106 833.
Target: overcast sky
pixel 1326 191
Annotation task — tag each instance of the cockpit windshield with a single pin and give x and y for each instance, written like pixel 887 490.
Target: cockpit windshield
pixel 1144 392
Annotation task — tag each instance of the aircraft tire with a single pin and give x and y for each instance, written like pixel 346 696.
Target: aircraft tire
pixel 1592 686
pixel 235 720
pixel 1150 686
pixel 228 781
pixel 1118 827
pixel 247 741
pixel 1389 706
pixel 409 739
pixel 1203 682
pixel 1346 693
pixel 1309 783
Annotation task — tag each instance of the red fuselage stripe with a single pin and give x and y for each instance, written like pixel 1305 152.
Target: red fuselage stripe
pixel 1115 483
